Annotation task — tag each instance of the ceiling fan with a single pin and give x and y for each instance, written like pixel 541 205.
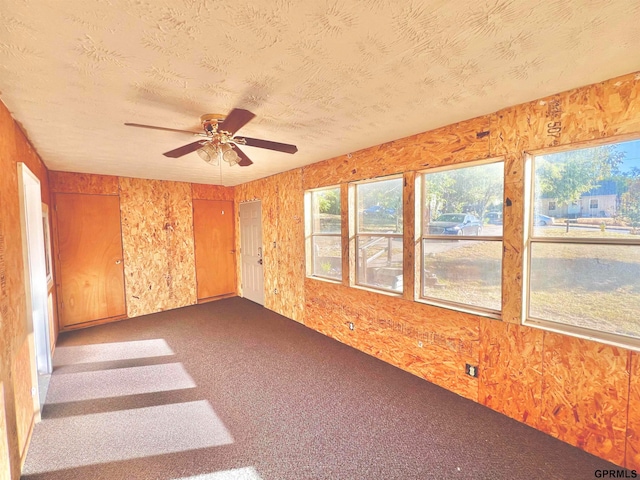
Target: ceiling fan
pixel 218 140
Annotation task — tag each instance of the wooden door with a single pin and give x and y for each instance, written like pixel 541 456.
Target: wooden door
pixel 213 230
pixel 90 258
pixel 251 251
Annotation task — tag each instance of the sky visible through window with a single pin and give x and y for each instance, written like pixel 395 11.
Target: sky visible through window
pixel 631 152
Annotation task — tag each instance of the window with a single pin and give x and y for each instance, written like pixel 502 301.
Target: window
pixel 552 206
pixel 324 238
pixel 379 234
pixel 462 237
pixel 47 243
pixel 582 270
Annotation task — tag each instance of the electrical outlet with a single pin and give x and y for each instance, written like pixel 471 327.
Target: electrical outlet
pixel 34 392
pixel 351 326
pixel 420 344
pixel 471 370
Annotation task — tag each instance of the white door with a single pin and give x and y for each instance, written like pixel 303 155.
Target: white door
pixel 35 270
pixel 251 251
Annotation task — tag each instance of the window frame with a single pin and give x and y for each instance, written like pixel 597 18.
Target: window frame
pixel 618 340
pixel 311 258
pixel 356 234
pixel 457 306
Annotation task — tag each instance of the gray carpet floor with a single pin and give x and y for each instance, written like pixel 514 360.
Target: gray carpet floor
pixel 231 391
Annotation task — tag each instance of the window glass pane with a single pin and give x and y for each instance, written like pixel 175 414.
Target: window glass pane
pixel 380 206
pixel 327 256
pixel 379 262
pixel 464 201
pixel 326 210
pixel 595 192
pixel 591 286
pixel 467 272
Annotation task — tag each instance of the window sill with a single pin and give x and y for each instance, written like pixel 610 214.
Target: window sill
pixel 461 308
pixel 612 339
pixel 390 293
pixel 325 279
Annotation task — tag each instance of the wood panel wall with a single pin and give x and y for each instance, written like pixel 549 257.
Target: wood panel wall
pixel 5 468
pixel 157 239
pixel 282 229
pixel 582 392
pixel 157 234
pixel 16 404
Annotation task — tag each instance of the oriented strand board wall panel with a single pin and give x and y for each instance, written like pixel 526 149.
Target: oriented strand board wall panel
pixel 211 192
pixel 511 370
pixel 461 142
pixel 290 246
pixel 633 424
pixel 415 337
pixel 602 110
pixel 21 372
pixel 157 237
pixel 585 390
pixel 64 182
pixel 12 293
pixel 5 468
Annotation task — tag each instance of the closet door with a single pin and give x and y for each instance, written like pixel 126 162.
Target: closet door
pixel 91 276
pixel 213 227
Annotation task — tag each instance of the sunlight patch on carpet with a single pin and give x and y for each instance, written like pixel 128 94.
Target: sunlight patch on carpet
pixel 119 382
pixel 246 473
pixel 107 352
pixel 79 441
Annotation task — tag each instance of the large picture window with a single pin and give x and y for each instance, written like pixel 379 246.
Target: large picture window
pixel 462 236
pixel 324 240
pixel 379 234
pixel 584 264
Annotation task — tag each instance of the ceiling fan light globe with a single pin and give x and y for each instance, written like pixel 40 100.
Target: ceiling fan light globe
pixel 209 153
pixel 231 157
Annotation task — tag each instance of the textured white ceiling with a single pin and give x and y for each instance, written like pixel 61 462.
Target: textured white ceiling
pixel 331 76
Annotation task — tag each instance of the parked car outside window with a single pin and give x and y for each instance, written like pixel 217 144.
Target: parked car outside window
pixel 455 224
pixel 493 218
pixel 542 220
pixel 378 210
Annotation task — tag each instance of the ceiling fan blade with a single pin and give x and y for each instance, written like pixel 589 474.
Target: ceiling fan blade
pixel 180 151
pixel 278 147
pixel 237 119
pixel 244 160
pixel 161 128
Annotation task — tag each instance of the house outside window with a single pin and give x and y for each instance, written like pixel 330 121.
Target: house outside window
pixel 552 206
pixel 582 276
pixel 324 238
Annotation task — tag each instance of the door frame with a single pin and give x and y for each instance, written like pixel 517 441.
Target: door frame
pixel 35 278
pixel 242 253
